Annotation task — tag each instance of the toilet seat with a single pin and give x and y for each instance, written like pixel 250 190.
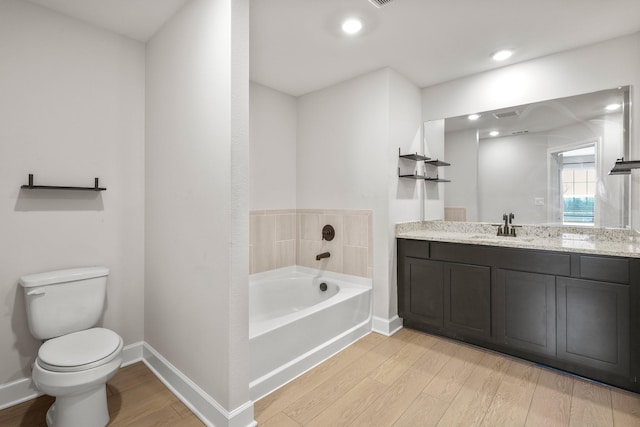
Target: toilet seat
pixel 80 350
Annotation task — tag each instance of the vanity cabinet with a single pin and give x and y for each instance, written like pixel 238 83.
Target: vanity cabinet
pixel 575 312
pixel 424 284
pixel 524 311
pixel 593 324
pixel 444 296
pixel 467 300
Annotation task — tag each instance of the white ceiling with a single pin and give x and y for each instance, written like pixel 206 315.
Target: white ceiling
pixel 297 47
pixel 138 19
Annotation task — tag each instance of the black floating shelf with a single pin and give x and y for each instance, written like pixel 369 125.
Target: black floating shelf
pixel 423 177
pixel 437 162
pixel 30 186
pixel 415 156
pixel 414 176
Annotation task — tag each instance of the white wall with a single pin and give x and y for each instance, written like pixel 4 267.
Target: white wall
pixel 72 109
pixel 601 66
pixel 273 118
pixel 513 172
pixel 461 150
pixel 434 149
pixel 347 158
pixel 405 195
pixel 197 208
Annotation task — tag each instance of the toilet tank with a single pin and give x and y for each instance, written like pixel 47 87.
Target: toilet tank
pixel 64 301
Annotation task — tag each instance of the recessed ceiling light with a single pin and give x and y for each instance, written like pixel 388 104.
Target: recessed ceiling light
pixel 494 133
pixel 352 26
pixel 612 107
pixel 502 55
pixel 473 116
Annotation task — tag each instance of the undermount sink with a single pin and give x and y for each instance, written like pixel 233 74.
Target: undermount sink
pixel 490 237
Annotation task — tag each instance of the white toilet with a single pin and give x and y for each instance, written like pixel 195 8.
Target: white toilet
pixel 76 360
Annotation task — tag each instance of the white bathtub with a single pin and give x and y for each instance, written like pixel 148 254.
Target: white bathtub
pixel 293 325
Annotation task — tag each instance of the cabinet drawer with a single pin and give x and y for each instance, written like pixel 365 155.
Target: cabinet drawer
pixel 413 248
pixel 533 261
pixel 607 269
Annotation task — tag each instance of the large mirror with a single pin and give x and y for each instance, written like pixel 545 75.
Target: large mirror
pixel 547 162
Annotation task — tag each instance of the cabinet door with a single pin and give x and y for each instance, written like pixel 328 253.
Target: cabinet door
pixel 593 324
pixel 524 311
pixel 467 300
pixel 423 280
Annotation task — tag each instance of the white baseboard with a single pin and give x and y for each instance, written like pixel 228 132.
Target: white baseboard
pixel 132 353
pixel 386 327
pixel 17 392
pixel 197 400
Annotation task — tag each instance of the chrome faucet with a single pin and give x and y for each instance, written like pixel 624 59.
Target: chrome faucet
pixel 322 255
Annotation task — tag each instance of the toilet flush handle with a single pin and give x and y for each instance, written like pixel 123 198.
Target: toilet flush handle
pixel 35 292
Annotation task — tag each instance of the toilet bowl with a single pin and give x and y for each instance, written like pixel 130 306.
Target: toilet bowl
pixel 74 369
pixel 76 359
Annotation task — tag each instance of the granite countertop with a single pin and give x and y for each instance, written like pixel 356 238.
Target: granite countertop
pixel 601 241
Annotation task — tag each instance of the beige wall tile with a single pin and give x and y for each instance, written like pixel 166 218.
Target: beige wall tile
pixel 280 238
pixel 310 228
pixel 285 253
pixel 307 251
pixel 286 227
pixel 264 258
pixel 262 229
pixel 356 230
pixel 334 262
pixel 355 260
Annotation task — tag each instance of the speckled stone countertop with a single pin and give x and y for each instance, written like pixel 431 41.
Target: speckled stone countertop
pixel 602 241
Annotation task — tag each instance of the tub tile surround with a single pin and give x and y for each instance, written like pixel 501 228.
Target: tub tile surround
pixel 282 238
pixel 602 241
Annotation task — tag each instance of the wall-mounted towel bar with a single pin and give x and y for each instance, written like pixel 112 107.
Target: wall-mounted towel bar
pixel 31 186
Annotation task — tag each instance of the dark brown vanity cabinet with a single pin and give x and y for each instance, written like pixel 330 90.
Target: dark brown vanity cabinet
pixel 524 311
pixel 444 296
pixel 593 324
pixel 424 286
pixel 575 312
pixel 467 300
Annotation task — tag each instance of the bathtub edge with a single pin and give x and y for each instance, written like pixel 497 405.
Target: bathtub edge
pixel 277 378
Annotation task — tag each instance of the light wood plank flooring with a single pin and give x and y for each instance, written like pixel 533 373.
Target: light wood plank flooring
pixel 419 380
pixel 135 396
pixel 409 379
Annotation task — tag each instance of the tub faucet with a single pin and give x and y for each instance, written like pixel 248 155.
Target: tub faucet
pixel 322 255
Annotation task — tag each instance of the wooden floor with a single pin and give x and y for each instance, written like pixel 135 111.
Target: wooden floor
pixel 418 380
pixel 135 397
pixel 409 379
